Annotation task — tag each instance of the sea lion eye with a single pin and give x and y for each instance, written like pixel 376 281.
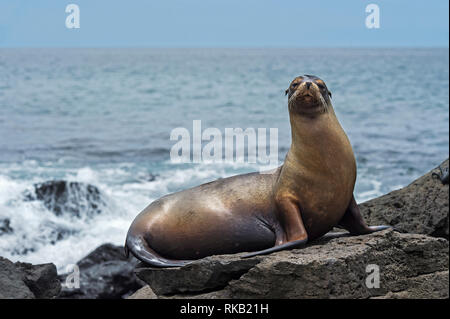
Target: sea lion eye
pixel 294 84
pixel 321 86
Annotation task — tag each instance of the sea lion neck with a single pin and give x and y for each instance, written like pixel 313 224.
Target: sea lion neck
pixel 314 137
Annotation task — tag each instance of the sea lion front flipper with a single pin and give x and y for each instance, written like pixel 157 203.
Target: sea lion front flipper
pixel 294 231
pixel 354 222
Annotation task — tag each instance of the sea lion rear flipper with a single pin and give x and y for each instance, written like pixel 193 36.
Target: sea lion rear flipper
pixel 289 245
pixel 443 176
pixel 137 245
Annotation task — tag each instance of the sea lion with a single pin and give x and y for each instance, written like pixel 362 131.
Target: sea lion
pixel 261 213
pixel 443 176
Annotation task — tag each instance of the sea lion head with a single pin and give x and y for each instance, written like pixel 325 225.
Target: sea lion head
pixel 308 95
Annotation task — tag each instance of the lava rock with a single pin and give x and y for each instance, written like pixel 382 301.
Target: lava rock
pixel 53 232
pixel 74 198
pixel 196 276
pixel 151 177
pixel 428 286
pixel 421 207
pixel 5 227
pixel 27 281
pixel 105 273
pixel 144 293
pixel 41 279
pixel 12 285
pixel 332 267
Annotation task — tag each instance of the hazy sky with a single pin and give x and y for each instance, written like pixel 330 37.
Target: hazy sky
pixel 223 23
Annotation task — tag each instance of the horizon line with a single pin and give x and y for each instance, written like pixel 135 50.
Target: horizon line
pixel 225 47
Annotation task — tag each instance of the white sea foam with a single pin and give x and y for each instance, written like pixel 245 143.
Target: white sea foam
pixel 33 238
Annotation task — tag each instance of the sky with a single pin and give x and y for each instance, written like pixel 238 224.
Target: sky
pixel 224 23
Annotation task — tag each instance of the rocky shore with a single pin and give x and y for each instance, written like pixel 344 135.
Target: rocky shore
pixel 411 263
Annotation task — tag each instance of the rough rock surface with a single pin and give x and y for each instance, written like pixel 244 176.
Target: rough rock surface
pixel 144 293
pixel 411 266
pixel 196 277
pixel 105 273
pixel 12 283
pixel 421 207
pixel 74 198
pixel 429 286
pixel 41 279
pixel 27 281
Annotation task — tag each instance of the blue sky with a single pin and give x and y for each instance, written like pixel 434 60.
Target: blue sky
pixel 224 23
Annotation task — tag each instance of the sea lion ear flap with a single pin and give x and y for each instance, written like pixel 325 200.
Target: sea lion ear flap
pixel 286 92
pixel 329 93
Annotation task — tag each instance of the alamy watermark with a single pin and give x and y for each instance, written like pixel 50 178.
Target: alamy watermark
pixel 73 277
pixel 73 19
pixel 373 277
pixel 373 17
pixel 236 145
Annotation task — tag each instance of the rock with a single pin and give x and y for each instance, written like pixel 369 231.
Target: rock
pixel 428 286
pixel 106 274
pixel 421 207
pixel 332 267
pixel 27 281
pixel 103 253
pixel 5 227
pixel 147 177
pixel 53 232
pixel 151 177
pixel 196 277
pixel 12 285
pixel 41 279
pixel 144 293
pixel 62 197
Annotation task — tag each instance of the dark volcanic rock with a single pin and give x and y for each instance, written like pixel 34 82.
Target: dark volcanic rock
pixel 12 285
pixel 197 276
pixel 41 279
pixel 53 232
pixel 27 281
pixel 429 286
pixel 144 293
pixel 411 266
pixel 105 273
pixel 62 197
pixel 421 207
pixel 5 227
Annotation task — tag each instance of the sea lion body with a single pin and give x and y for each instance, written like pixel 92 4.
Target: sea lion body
pixel 201 221
pixel 302 200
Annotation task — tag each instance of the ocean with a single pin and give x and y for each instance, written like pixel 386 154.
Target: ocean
pixel 104 117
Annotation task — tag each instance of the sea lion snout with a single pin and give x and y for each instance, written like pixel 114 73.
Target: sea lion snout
pixel 309 95
pixel 307 88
